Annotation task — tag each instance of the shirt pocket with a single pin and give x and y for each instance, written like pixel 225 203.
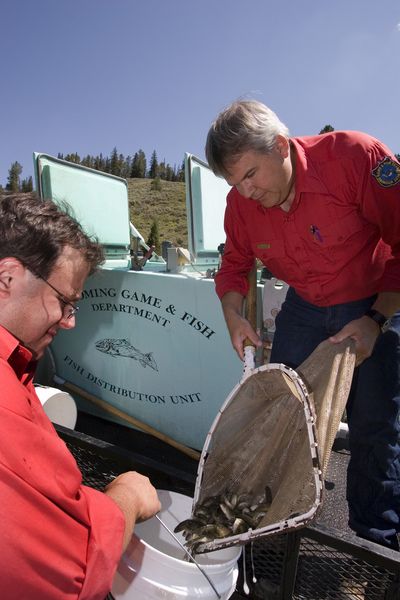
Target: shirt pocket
pixel 338 232
pixel 333 244
pixel 273 255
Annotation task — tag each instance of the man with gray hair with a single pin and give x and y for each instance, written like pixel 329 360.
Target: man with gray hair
pixel 323 214
pixel 58 538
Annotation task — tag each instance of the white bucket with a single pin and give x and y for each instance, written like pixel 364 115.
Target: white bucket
pixel 59 406
pixel 153 567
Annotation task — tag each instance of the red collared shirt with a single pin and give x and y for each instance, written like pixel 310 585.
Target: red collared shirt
pixel 58 538
pixel 340 240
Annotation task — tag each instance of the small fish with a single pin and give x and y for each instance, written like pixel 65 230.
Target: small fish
pixel 188 525
pixel 122 348
pixel 201 513
pixel 239 526
pixel 230 515
pixel 249 520
pixel 230 501
pixel 222 531
pixel 212 500
pixel 264 506
pixel 268 495
pixel 226 515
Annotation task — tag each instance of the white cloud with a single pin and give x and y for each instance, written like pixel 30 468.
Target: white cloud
pixel 398 26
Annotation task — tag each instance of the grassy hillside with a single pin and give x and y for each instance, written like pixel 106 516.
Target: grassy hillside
pixel 167 206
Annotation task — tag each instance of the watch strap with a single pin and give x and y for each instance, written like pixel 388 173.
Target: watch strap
pixel 376 316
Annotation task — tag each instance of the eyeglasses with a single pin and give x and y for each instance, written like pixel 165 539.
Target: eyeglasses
pixel 68 309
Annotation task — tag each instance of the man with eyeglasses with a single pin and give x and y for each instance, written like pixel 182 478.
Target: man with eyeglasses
pixel 58 538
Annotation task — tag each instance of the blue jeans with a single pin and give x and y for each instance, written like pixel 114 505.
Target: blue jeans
pixel 373 409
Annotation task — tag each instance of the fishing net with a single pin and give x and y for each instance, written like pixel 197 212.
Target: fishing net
pixel 273 437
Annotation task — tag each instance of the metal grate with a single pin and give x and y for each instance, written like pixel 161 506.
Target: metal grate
pixel 100 462
pixel 327 574
pixel 324 561
pixel 265 567
pixel 311 570
pixel 97 469
pixel 321 562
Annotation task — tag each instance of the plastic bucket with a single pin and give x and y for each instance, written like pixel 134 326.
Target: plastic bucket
pixel 153 567
pixel 59 406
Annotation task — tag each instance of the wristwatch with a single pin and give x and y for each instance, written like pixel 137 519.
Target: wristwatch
pixel 378 317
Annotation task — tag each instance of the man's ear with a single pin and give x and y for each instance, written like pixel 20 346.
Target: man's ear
pixel 282 145
pixel 10 270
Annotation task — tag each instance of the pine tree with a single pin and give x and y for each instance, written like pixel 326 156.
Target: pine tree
pixel 27 185
pixel 180 176
pixel 139 164
pixel 156 184
pixel 100 163
pixel 162 170
pixel 170 173
pixel 326 129
pixel 14 174
pixel 114 162
pixel 126 167
pixel 73 157
pixel 154 237
pixel 153 171
pixel 88 161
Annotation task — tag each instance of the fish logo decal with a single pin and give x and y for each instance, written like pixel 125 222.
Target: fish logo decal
pixel 123 348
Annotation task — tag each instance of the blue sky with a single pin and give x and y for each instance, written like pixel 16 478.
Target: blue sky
pixel 87 75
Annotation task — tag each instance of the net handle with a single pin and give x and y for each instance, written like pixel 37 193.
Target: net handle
pixel 251 303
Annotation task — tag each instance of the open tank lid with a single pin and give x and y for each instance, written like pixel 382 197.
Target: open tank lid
pixel 99 202
pixel 205 204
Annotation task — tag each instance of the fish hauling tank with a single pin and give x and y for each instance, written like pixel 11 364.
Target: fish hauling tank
pixel 257 507
pixel 151 343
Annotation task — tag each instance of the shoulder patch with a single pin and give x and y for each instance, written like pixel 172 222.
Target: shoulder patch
pixel 387 172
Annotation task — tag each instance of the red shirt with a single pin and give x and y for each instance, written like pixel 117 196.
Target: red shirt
pixel 58 538
pixel 340 240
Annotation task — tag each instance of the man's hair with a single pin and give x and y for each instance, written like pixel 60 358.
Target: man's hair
pixel 36 231
pixel 242 126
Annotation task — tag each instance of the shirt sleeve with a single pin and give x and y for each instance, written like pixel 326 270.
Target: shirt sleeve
pixel 379 199
pixel 61 539
pixel 104 544
pixel 238 258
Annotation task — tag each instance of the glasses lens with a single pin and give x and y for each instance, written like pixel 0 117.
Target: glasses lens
pixel 69 309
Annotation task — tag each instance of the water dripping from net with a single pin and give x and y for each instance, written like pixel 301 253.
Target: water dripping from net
pixel 252 563
pixel 246 588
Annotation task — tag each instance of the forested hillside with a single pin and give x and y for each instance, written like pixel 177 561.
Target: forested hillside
pixel 162 202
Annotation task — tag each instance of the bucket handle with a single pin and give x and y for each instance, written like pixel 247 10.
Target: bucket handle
pixel 189 554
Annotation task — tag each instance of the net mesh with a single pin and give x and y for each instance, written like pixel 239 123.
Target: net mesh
pixel 328 373
pixel 267 434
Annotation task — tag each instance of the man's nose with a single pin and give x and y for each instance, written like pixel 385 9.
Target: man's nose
pixel 67 322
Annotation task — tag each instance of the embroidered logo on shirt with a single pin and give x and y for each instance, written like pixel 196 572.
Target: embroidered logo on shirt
pixel 263 246
pixel 387 172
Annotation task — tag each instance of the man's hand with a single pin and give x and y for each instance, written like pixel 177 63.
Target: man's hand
pixel 239 328
pixel 136 497
pixel 364 332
